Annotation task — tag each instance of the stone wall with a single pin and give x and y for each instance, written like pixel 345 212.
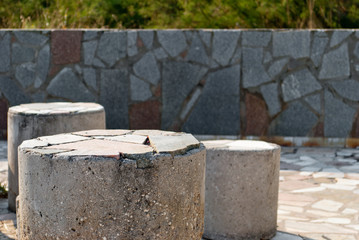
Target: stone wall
pixel 227 82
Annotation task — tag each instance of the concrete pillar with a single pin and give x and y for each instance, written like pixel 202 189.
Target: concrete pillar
pixel 242 180
pixel 112 184
pixel 32 120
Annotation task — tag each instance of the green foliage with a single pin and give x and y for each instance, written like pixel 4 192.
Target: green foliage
pixel 3 191
pixel 179 13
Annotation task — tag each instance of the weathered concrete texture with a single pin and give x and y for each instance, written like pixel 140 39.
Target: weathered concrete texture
pixel 146 68
pixel 5 53
pixel 257 120
pixel 318 47
pixel 67 85
pixel 339 36
pixel 224 44
pixel 28 121
pixel 296 120
pixel 197 52
pixel 299 84
pixel 12 92
pixel 217 110
pixel 335 64
pixel 21 54
pixel 338 117
pixel 270 95
pixel 174 42
pixel 112 47
pixel 114 96
pixel 178 80
pixel 32 38
pixel 66 46
pixel 348 89
pixel 253 70
pixel 295 44
pixel 256 38
pixel 113 188
pixel 242 181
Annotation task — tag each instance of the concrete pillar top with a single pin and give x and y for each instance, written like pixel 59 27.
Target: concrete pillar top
pixel 55 108
pixel 240 145
pixel 129 144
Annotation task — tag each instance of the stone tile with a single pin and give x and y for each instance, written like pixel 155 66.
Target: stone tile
pixel 33 143
pixel 298 84
pixel 4 107
pixel 285 236
pixel 291 208
pixel 175 144
pixel 67 85
pixel 277 67
pixel 61 138
pixel 295 43
pixel 132 43
pixel 338 117
pixel 5 53
pixel 98 63
pixel 309 190
pixel 102 132
pixel 329 173
pixel 257 120
pixel 160 53
pixel 43 63
pixel 320 213
pixel 89 34
pixel 339 36
pixel 66 46
pixel 147 132
pixel 290 185
pixel 140 90
pixel 114 95
pixel 295 197
pixel 308 227
pixel 267 57
pixel 333 220
pixel 173 41
pixel 296 120
pixel 12 92
pixel 146 37
pixel 338 187
pixel 89 49
pixel 31 38
pixel 347 88
pixel 349 211
pixel 217 110
pixel 26 74
pixel 21 54
pixel 146 68
pixel 328 205
pixel 335 64
pixel 178 79
pixel 256 38
pixel 197 52
pixel 237 56
pixel 206 37
pixel 318 47
pixel 189 34
pixel 190 103
pixel 224 45
pixel 253 71
pixel 270 95
pixel 89 75
pixel 129 138
pixel 314 101
pixel 112 47
pixel 145 115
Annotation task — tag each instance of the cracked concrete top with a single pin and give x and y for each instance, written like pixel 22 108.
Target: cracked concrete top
pixel 240 145
pixel 56 108
pixel 130 144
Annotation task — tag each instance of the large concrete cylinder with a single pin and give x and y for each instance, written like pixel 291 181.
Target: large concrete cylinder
pixel 242 181
pixel 112 184
pixel 32 120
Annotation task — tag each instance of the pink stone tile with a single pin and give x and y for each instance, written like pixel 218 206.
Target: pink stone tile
pixel 102 132
pixel 294 185
pixel 66 46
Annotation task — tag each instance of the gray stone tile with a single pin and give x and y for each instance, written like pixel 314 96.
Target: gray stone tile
pixel 132 43
pixel 26 74
pixel 270 95
pixel 206 37
pixel 43 63
pixel 256 38
pixel 318 47
pixel 237 56
pixel 347 89
pixel 12 92
pixel 296 120
pixel 21 54
pixel 335 64
pixel 197 52
pixel 277 67
pixel 89 75
pixel 38 96
pixel 146 68
pixel 224 45
pixel 147 37
pixel 89 49
pixel 178 80
pixel 338 117
pixel 315 102
pixel 32 38
pixel 173 41
pixel 98 63
pixel 356 34
pixel 253 70
pixel 267 57
pixel 67 85
pixel 5 53
pixel 217 110
pixel 286 236
pixel 114 96
pixel 299 84
pixel 356 50
pixel 140 90
pixel 338 36
pixel 89 34
pixel 291 43
pixel 189 34
pixel 112 47
pixel 160 53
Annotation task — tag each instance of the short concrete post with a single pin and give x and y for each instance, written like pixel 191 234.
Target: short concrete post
pixel 242 180
pixel 112 184
pixel 32 120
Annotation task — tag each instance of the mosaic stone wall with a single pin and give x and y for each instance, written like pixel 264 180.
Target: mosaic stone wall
pixel 227 82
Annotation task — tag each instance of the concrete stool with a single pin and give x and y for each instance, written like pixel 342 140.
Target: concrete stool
pixel 32 120
pixel 111 184
pixel 242 180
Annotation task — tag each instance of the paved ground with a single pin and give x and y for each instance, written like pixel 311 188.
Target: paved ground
pixel 318 195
